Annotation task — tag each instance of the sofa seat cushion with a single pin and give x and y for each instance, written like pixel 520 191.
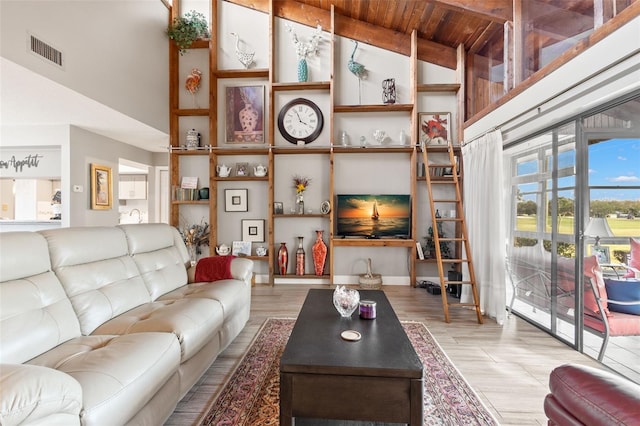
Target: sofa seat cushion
pixel 232 294
pixel 595 397
pixel 193 321
pixel 34 394
pixel 119 374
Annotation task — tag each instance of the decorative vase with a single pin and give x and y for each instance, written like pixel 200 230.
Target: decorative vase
pixel 303 71
pixel 192 139
pixel 345 300
pixel 283 259
pixel 248 118
pixel 299 204
pixel 300 258
pixel 204 193
pixel 191 248
pixel 319 251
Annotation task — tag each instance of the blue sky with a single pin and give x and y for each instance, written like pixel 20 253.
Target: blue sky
pixel 615 162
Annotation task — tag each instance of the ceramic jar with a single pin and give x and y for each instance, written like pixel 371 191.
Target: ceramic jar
pixel 300 257
pixel 283 259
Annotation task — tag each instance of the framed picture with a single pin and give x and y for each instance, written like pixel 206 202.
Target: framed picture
pixel 435 128
pixel 242 169
pixel 278 207
pixel 253 230
pixel 602 253
pixel 235 200
pixel 101 187
pixel 244 114
pixel 241 248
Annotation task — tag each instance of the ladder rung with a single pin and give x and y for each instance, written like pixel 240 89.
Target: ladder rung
pixel 448 219
pixel 454 260
pixel 462 304
pixel 453 239
pixel 445 201
pixel 442 181
pixel 458 282
pixel 440 165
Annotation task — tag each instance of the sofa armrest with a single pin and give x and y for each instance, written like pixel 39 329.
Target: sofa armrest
pixel 242 269
pixel 593 396
pixel 35 394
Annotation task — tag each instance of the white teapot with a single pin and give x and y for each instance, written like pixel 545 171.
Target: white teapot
pixel 260 170
pixel 223 170
pixel 223 250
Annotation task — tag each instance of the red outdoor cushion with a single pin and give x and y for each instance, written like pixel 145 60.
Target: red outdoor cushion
pixel 634 262
pixel 592 270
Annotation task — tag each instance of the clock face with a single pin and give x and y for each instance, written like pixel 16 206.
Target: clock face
pixel 300 120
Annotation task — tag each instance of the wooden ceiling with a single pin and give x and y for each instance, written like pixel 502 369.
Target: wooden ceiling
pixel 441 25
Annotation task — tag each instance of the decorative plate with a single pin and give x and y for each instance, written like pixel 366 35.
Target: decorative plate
pixel 325 207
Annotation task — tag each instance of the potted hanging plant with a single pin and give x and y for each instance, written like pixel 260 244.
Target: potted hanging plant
pixel 186 29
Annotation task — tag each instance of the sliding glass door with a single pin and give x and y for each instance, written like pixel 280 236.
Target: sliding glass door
pixel 575 192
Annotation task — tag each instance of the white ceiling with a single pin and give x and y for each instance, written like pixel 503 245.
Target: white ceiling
pixel 27 98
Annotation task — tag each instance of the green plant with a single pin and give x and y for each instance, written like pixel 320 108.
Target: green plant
pixel 187 29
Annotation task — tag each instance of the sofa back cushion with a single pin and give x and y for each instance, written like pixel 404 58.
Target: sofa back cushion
pixel 96 271
pixel 160 255
pixel 35 313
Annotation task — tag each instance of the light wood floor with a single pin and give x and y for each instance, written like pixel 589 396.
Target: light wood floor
pixel 507 366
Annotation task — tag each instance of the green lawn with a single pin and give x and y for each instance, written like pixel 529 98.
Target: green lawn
pixel 620 227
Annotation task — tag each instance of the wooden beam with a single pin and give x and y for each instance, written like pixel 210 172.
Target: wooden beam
pixel 498 11
pixel 357 30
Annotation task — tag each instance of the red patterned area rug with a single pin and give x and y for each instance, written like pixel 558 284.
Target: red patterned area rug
pixel 250 396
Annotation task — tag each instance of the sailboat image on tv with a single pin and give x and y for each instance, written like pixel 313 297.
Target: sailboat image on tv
pixel 373 216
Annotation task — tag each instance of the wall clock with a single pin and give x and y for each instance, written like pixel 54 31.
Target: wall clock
pixel 300 120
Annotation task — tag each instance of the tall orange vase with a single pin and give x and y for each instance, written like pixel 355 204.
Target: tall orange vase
pixel 319 251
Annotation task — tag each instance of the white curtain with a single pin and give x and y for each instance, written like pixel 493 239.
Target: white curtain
pixel 485 216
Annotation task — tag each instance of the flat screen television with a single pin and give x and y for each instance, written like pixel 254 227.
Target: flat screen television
pixel 373 216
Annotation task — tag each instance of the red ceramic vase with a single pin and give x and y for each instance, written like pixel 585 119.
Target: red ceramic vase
pixel 319 251
pixel 283 259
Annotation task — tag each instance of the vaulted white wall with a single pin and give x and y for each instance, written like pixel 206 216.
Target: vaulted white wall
pixel 115 52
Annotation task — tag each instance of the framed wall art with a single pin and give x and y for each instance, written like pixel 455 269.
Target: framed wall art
pixel 435 128
pixel 235 200
pixel 253 230
pixel 101 187
pixel 278 207
pixel 244 114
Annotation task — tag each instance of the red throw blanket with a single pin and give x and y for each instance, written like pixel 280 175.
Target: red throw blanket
pixel 214 268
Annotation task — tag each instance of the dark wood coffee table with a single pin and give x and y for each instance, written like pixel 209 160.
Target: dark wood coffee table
pixel 378 378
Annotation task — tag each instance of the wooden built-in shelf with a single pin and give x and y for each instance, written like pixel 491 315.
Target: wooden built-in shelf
pixel 294 276
pixel 371 148
pixel 184 151
pixel 206 202
pixel 309 215
pixel 373 242
pixel 242 73
pixel 454 87
pixel 240 178
pixel 374 108
pixel 191 112
pixel 294 149
pixel 201 43
pixel 242 150
pixel 312 85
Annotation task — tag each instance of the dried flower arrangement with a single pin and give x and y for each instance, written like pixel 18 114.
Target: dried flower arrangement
pixel 300 184
pixel 196 235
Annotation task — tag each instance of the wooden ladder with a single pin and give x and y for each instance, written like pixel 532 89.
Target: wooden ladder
pixel 460 235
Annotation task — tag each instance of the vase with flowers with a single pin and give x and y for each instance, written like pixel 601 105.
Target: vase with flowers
pixel 304 50
pixel 300 184
pixel 195 236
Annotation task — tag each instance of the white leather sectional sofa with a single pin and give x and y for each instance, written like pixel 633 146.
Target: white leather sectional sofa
pixel 100 326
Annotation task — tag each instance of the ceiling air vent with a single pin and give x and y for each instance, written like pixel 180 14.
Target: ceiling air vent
pixel 45 50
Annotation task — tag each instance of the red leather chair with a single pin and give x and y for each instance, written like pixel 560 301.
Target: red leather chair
pixel 582 395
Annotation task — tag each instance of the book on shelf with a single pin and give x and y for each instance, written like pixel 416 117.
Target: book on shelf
pixel 419 250
pixel 189 182
pixel 184 194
